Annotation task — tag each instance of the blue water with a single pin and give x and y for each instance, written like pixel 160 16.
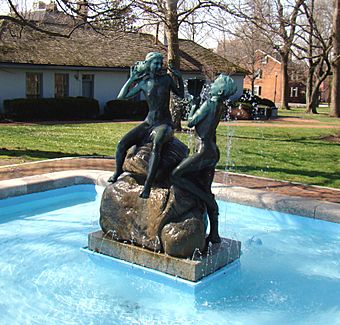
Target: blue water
pixel 289 272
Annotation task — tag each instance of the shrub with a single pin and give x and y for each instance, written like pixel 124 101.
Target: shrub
pixel 125 109
pixel 251 106
pixel 241 111
pixel 22 109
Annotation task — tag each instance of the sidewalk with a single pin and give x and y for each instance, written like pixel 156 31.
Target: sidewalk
pixel 257 183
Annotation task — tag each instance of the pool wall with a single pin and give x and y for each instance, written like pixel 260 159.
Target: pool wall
pixel 261 199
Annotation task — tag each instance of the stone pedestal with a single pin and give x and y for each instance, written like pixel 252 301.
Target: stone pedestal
pixel 194 269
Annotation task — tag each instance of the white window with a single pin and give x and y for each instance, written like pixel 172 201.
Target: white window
pixel 257 90
pixel 258 74
pixel 294 92
pixel 264 59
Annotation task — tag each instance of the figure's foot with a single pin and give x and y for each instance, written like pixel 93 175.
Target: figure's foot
pixel 113 178
pixel 213 238
pixel 145 193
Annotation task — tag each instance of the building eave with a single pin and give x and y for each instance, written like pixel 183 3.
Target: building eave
pixel 15 65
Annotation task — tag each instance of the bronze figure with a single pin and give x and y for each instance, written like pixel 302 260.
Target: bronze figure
pixel 205 119
pixel 148 78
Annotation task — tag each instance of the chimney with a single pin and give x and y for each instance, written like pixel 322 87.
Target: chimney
pixel 52 7
pixel 83 9
pixel 39 5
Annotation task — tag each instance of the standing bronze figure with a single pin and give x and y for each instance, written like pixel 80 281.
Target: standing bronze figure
pixel 148 78
pixel 205 119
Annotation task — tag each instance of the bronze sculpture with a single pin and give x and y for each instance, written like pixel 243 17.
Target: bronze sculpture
pixel 205 119
pixel 147 77
pixel 172 220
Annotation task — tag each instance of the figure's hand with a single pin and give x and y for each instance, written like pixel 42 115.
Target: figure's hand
pixel 134 75
pixel 173 70
pixel 190 124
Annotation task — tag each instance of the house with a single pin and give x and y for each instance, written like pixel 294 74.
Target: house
pixel 268 80
pixel 209 62
pixel 325 90
pixel 89 63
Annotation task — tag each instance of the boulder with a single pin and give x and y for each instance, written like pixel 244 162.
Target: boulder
pixel 137 159
pixel 171 220
pixel 155 223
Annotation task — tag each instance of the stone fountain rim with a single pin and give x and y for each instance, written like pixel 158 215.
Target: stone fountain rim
pixel 316 209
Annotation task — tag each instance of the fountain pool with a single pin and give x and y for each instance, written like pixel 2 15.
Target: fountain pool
pixel 289 271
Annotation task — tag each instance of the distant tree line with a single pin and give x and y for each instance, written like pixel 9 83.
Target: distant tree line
pixel 306 31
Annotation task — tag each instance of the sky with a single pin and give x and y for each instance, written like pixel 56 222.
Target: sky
pixel 206 41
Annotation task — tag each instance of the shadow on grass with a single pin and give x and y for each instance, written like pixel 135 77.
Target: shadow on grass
pixel 320 139
pixel 38 153
pixel 330 178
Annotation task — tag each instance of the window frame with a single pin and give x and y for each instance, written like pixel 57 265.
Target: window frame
pixel 37 78
pixel 65 87
pixel 257 90
pixel 90 80
pixel 294 92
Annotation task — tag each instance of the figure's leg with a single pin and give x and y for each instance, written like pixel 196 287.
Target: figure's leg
pixel 161 135
pixel 129 139
pixel 197 162
pixel 213 236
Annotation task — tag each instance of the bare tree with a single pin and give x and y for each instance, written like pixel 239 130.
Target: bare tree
pixel 77 13
pixel 172 14
pixel 242 48
pixel 276 19
pixel 335 105
pixel 313 46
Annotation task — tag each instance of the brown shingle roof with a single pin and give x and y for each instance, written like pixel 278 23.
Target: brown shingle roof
pixel 110 49
pixel 211 63
pixel 85 48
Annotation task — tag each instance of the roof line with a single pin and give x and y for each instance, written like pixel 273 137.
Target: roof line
pixel 72 67
pixel 258 50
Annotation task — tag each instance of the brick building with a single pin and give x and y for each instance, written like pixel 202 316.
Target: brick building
pixel 268 79
pixel 267 83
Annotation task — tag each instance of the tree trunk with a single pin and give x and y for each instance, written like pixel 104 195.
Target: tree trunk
pixel 310 99
pixel 309 90
pixel 171 31
pixel 335 105
pixel 314 100
pixel 285 80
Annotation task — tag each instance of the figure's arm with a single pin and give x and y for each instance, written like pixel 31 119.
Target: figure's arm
pixel 194 106
pixel 199 115
pixel 127 92
pixel 178 90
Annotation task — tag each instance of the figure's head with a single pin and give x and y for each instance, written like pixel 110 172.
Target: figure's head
pixel 154 61
pixel 223 86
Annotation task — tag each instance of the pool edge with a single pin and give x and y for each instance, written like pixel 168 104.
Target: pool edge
pixel 327 211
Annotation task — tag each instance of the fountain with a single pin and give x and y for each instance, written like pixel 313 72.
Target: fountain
pixel 154 212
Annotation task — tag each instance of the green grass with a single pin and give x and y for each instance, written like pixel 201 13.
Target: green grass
pixel 293 154
pixel 300 155
pixel 322 116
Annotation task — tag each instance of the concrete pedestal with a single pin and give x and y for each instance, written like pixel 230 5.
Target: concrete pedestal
pixel 218 255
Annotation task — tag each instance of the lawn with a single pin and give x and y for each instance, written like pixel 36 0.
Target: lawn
pixel 309 156
pixel 322 116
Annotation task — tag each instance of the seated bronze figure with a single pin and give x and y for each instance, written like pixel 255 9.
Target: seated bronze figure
pixel 148 78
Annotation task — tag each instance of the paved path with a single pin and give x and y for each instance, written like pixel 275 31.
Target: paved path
pixel 287 188
pixel 287 122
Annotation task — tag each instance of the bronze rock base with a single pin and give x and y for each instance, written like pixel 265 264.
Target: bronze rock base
pixel 194 269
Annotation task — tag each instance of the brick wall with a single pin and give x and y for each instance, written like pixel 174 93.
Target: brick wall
pixel 269 80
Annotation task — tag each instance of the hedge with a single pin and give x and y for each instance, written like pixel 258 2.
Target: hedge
pixel 22 109
pixel 126 109
pixel 246 111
